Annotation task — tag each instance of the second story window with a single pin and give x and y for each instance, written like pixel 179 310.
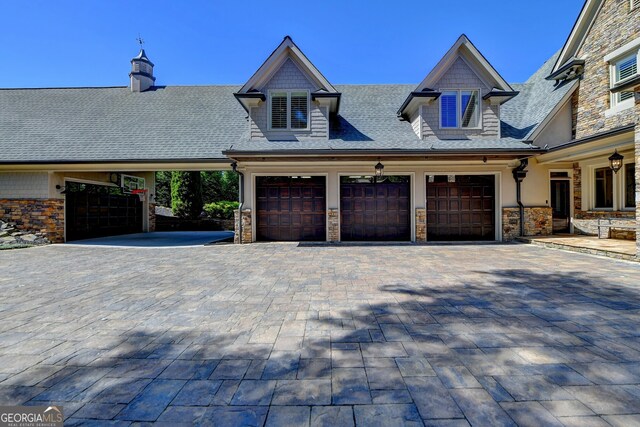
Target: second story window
pixel 460 109
pixel 624 69
pixel 289 110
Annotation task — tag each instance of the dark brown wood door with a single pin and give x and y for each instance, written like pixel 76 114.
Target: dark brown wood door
pixel 291 208
pixel 461 210
pixel 375 211
pixel 99 211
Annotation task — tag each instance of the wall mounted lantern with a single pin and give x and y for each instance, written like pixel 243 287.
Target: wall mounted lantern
pixel 615 161
pixel 379 169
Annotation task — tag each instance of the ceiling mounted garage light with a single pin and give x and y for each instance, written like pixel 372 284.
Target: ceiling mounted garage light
pixel 379 169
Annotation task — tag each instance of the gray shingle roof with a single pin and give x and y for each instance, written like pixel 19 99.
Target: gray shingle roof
pixel 522 115
pixel 102 124
pixel 201 122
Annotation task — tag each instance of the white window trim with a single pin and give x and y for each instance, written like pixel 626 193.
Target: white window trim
pixel 623 187
pixel 614 189
pixel 459 109
pixel 613 58
pixel 288 92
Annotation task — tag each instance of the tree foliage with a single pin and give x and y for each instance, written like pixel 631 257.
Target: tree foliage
pixel 186 194
pixel 219 185
pixel 163 188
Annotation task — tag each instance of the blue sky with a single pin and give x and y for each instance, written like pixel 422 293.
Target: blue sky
pixel 89 43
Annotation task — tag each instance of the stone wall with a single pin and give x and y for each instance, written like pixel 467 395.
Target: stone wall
pixel 247 236
pixel 586 222
pixel 637 156
pixel 538 221
pixel 36 216
pixel 421 225
pixel 334 225
pixel 614 26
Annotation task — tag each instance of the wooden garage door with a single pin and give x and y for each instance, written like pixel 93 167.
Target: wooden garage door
pixel 291 208
pixel 375 211
pixel 461 210
pixel 99 211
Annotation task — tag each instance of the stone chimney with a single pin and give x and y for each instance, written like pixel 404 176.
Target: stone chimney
pixel 141 74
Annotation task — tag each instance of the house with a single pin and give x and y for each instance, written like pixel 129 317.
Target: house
pixel 462 156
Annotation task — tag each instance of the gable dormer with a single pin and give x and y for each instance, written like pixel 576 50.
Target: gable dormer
pixel 288 98
pixel 459 98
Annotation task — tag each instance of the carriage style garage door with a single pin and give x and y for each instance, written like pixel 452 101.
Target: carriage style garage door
pixel 99 211
pixel 374 211
pixel 463 209
pixel 291 208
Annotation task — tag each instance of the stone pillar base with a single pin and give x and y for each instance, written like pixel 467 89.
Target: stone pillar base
pixel 245 217
pixel 333 224
pixel 538 221
pixel 421 225
pixel 45 216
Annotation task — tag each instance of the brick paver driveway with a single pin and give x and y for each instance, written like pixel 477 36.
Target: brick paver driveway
pixel 288 334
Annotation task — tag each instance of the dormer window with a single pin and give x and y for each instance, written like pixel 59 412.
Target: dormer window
pixel 289 110
pixel 460 109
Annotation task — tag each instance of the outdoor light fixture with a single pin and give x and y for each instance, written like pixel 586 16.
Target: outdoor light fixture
pixel 379 169
pixel 615 161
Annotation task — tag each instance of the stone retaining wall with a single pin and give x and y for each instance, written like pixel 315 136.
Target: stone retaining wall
pixel 538 221
pixel 586 222
pixel 245 216
pixel 36 216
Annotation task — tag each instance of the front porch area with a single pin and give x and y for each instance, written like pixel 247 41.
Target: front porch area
pixel 613 248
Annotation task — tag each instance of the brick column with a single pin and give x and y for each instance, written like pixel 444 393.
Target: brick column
pixel 421 225
pixel 334 225
pixel 245 217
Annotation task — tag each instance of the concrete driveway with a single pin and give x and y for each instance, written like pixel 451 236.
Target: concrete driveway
pixel 284 334
pixel 159 239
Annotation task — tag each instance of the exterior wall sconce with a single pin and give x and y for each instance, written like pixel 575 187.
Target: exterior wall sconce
pixel 61 189
pixel 615 161
pixel 379 169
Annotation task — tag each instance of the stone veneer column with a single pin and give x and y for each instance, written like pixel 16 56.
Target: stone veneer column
pixel 44 216
pixel 245 217
pixel 152 217
pixel 577 187
pixel 334 225
pixel 421 225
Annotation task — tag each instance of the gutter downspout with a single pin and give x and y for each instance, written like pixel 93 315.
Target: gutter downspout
pixel 234 167
pixel 519 174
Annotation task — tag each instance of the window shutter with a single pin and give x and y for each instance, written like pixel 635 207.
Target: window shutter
pixel 278 111
pixel 449 110
pixel 626 68
pixel 299 110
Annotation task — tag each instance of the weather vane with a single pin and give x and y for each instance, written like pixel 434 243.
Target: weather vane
pixel 140 40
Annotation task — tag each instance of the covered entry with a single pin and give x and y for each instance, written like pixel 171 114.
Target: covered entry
pixel 375 210
pixel 98 210
pixel 291 208
pixel 460 207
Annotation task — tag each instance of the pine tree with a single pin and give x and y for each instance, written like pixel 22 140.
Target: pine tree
pixel 186 194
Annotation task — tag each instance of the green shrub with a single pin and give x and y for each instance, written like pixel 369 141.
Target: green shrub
pixel 186 194
pixel 221 210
